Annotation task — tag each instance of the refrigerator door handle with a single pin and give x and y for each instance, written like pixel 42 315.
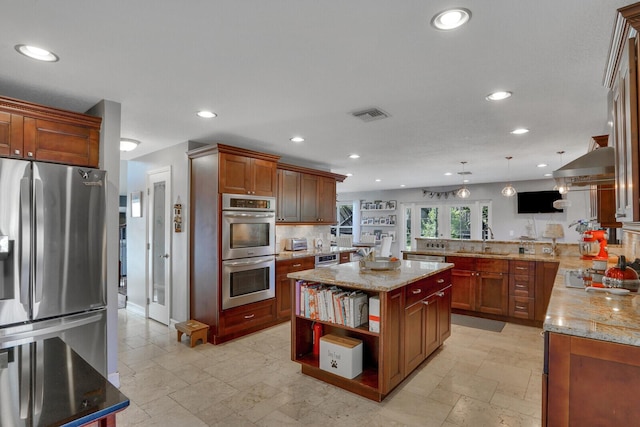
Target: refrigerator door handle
pixel 39 229
pixel 25 238
pixel 25 381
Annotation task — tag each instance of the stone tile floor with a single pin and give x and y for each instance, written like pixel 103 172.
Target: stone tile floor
pixel 477 378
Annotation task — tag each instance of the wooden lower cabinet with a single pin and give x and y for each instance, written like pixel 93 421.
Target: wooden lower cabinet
pixel 247 318
pixel 414 321
pixel 509 290
pixel 284 292
pixel 588 382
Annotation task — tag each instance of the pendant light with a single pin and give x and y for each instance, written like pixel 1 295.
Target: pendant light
pixel 562 188
pixel 464 192
pixel 508 190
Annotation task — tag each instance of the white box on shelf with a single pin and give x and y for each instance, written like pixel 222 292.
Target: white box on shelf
pixel 341 355
pixel 374 314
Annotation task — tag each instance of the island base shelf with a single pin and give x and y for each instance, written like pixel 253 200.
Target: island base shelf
pixel 365 384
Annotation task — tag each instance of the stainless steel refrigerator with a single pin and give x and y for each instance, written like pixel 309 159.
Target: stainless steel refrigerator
pixel 52 256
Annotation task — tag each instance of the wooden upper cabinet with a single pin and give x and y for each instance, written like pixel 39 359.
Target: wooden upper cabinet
pixel 318 199
pixel 307 193
pixel 288 203
pixel 621 77
pixel 35 132
pixel 247 172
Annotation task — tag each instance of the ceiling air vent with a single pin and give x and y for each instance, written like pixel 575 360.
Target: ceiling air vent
pixel 370 114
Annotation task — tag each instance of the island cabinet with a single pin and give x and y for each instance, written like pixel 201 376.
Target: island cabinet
pixel 35 132
pixel 306 196
pixel 415 319
pixel 463 283
pixel 247 172
pixel 283 283
pixel 588 382
pixel 427 319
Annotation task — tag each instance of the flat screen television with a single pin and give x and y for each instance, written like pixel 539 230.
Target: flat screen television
pixel 533 202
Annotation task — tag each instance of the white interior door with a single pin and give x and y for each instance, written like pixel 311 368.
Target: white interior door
pixel 159 244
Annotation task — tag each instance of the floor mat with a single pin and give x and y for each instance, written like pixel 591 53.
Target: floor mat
pixel 477 322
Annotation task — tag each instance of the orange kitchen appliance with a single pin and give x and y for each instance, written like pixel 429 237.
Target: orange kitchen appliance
pixel 593 245
pixel 621 276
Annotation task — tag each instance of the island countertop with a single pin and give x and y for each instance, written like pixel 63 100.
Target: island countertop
pixel 350 275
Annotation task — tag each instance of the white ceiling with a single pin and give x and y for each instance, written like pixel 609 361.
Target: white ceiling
pixel 275 69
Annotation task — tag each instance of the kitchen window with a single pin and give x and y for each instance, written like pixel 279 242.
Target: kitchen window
pixel 449 220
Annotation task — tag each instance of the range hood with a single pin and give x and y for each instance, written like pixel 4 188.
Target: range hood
pixel 595 167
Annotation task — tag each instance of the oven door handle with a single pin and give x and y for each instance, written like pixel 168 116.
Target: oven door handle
pixel 248 262
pixel 249 215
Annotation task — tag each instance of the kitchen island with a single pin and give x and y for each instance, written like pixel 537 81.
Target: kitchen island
pixel 47 383
pixel 415 319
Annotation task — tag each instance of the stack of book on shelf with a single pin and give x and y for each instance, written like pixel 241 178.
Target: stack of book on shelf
pixel 326 303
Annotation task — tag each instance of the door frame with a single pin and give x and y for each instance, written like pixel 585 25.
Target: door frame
pixel 168 243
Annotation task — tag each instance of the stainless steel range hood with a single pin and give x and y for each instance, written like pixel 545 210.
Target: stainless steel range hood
pixel 595 167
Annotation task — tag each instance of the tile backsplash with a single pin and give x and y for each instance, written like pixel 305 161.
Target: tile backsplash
pixel 631 243
pixel 310 232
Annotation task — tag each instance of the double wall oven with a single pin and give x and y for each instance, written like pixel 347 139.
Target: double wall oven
pixel 248 249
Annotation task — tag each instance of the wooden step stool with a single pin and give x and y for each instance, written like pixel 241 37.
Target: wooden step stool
pixel 194 329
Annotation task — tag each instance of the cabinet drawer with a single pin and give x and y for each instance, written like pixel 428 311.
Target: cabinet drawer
pixel 522 267
pixel 521 307
pixel 423 288
pixel 295 264
pixel 522 285
pixel 492 265
pixel 247 316
pixel 462 263
pixel 345 257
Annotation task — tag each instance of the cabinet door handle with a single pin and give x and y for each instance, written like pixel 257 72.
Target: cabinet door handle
pixel 296 265
pixel 425 302
pixel 249 316
pixel 416 291
pixel 440 281
pixel 621 215
pixel 519 307
pixel 16 152
pixel 522 268
pixel 520 286
pixel 440 294
pixel 29 154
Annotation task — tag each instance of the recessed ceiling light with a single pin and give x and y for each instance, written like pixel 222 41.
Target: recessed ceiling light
pixel 127 144
pixel 37 53
pixel 451 19
pixel 520 131
pixel 448 173
pixel 542 165
pixel 354 156
pixel 498 96
pixel 349 174
pixel 465 180
pixel 548 174
pixel 402 185
pixel 378 180
pixel 206 114
pixel 297 139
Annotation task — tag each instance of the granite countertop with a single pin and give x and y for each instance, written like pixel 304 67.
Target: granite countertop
pixel 349 275
pixel 66 389
pixel 285 255
pixel 573 311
